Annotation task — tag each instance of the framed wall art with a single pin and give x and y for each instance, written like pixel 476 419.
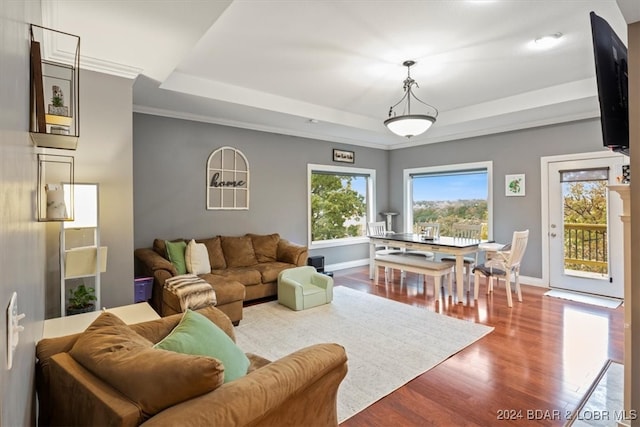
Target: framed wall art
pixel 227 180
pixel 514 185
pixel 344 156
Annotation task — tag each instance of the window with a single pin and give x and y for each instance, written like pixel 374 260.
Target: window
pixel 341 202
pixel 449 194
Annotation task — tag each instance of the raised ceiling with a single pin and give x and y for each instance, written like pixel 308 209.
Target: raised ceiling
pixel 330 70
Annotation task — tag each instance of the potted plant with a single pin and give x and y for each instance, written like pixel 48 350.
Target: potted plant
pixel 81 300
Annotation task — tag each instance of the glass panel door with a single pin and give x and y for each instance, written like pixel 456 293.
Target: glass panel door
pixel 584 223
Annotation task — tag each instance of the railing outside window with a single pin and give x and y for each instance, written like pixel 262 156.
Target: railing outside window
pixel 585 247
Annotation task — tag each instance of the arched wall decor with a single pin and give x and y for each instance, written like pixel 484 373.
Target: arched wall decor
pixel 227 180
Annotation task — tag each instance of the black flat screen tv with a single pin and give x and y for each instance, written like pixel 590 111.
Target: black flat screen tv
pixel 610 55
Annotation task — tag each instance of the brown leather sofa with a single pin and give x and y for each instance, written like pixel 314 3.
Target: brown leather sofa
pixel 299 389
pixel 243 268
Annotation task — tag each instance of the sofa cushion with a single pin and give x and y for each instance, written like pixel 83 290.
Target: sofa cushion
pixel 216 256
pixel 175 253
pixel 265 246
pixel 197 335
pixel 160 247
pixel 245 275
pixel 197 258
pixel 128 362
pixel 270 270
pixel 227 290
pixel 238 251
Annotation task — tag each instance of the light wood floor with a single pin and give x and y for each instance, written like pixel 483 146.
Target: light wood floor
pixel 533 369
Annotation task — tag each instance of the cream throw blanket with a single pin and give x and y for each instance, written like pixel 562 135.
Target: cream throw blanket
pixel 192 291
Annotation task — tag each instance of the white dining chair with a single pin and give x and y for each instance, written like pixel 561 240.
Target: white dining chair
pixel 379 228
pixel 466 231
pixel 432 231
pixel 505 264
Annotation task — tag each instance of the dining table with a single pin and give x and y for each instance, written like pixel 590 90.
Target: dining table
pixel 452 246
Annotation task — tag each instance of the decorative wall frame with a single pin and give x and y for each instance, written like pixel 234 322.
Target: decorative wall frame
pixel 227 180
pixel 344 156
pixel 514 185
pixel 54 93
pixel 55 174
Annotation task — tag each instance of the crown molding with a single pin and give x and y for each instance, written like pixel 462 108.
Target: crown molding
pixel 251 126
pixel 55 52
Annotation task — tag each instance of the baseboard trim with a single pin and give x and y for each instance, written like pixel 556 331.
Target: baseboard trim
pixel 348 264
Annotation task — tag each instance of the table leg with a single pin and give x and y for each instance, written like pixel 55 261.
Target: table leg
pixel 372 256
pixel 460 277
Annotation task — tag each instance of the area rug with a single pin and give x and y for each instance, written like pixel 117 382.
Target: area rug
pixel 603 404
pixel 585 298
pixel 388 343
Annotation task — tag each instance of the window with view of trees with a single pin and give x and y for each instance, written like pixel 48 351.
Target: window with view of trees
pixel 448 195
pixel 341 203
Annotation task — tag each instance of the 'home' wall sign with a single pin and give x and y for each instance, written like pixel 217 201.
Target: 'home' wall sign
pixel 227 180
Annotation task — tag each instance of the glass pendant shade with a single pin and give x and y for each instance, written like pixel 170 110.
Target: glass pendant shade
pixel 410 125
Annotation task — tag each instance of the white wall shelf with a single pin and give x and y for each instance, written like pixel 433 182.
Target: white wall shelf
pixel 81 255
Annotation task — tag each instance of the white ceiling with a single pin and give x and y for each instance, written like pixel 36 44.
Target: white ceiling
pixel 275 64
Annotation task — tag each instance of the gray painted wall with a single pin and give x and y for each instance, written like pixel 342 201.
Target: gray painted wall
pixel 22 258
pixel 513 152
pixel 169 178
pixel 104 156
pixel 28 256
pixel 170 158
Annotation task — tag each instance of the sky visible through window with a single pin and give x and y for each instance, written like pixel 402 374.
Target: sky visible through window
pixel 450 187
pixel 441 187
pixel 359 184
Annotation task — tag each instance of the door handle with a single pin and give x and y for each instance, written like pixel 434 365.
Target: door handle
pixel 553 234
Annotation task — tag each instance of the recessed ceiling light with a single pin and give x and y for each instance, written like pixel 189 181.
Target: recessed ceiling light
pixel 313 121
pixel 548 41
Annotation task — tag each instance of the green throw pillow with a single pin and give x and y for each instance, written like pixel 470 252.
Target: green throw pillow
pixel 197 335
pixel 175 252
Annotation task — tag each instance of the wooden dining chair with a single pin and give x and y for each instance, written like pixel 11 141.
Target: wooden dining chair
pixel 505 264
pixel 466 231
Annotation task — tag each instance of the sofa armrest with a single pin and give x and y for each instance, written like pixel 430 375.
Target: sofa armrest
pixel 153 262
pixel 290 292
pixel 292 253
pixel 80 398
pixel 321 280
pixel 299 389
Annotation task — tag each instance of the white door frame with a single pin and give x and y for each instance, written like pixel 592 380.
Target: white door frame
pixel 544 187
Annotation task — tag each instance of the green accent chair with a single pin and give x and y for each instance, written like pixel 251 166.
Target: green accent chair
pixel 300 288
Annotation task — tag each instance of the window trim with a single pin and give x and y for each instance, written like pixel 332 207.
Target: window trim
pixel 458 167
pixel 371 202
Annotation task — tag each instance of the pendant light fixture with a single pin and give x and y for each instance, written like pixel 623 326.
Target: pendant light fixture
pixel 408 124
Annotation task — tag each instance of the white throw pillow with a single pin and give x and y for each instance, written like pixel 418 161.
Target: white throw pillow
pixel 197 258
